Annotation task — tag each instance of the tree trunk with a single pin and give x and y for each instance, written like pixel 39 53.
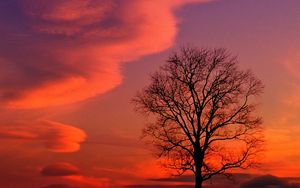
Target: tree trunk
pixel 198 181
pixel 198 165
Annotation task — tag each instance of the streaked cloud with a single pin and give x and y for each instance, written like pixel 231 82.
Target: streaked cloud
pixel 73 175
pixel 77 48
pixel 56 137
pixel 60 169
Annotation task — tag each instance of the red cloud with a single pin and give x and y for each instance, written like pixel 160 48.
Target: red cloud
pixel 72 174
pixel 60 169
pixel 77 47
pixel 55 136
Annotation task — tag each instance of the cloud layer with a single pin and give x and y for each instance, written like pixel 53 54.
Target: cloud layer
pixel 68 51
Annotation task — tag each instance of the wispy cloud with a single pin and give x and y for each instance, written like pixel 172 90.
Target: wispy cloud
pixel 56 137
pixel 77 47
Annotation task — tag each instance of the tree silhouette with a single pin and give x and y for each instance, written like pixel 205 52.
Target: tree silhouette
pixel 204 107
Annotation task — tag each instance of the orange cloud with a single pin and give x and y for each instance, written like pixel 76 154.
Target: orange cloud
pixel 78 47
pixel 55 136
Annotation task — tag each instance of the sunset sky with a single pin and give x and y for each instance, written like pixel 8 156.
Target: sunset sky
pixel 69 68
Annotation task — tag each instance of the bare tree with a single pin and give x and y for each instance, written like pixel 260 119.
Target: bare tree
pixel 204 107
